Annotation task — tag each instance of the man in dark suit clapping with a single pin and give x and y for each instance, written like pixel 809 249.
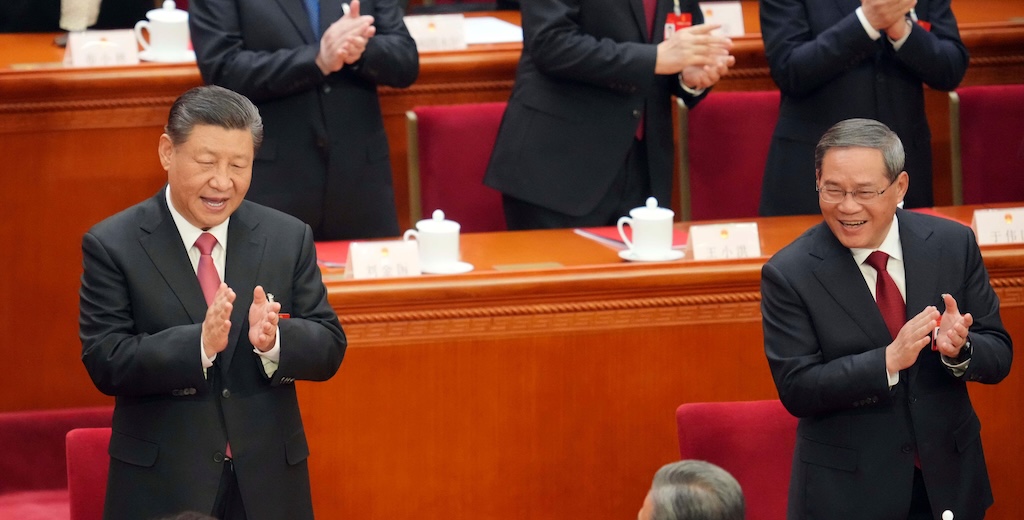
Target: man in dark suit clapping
pixel 206 417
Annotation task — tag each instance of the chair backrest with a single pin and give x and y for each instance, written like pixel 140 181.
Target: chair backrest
pixel 449 147
pixel 987 143
pixel 723 147
pixel 33 445
pixel 88 463
pixel 752 440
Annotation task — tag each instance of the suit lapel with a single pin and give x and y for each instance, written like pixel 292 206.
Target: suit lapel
pixel 921 267
pixel 241 267
pixel 637 6
pixel 295 11
pixel 920 262
pixel 840 275
pixel 163 245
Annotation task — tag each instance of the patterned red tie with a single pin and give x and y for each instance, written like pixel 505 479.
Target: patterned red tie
pixel 887 295
pixel 209 280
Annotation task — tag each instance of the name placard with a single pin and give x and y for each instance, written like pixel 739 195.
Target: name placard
pixel 437 32
pixel 388 259
pixel 727 14
pixel 724 241
pixel 998 226
pixel 101 48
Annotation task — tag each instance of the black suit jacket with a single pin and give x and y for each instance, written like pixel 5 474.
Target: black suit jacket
pixel 585 76
pixel 325 155
pixel 141 318
pixel 828 70
pixel 825 342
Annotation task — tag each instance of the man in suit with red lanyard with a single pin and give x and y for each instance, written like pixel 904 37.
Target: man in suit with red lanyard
pixel 313 68
pixel 587 134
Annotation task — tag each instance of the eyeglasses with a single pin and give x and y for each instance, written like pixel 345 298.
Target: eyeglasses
pixel 834 195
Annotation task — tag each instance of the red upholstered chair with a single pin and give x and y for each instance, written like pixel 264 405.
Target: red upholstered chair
pixel 723 147
pixel 987 143
pixel 88 463
pixel 33 474
pixel 449 147
pixel 752 440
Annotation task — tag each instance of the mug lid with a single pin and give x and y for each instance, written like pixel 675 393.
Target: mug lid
pixel 169 13
pixel 437 223
pixel 651 210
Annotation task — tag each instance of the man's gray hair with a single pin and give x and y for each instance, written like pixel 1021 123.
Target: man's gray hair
pixel 696 490
pixel 863 133
pixel 214 106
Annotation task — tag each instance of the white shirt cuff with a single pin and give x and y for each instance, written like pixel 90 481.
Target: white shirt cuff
pixel 896 44
pixel 271 358
pixel 873 33
pixel 207 361
pixel 894 379
pixel 690 91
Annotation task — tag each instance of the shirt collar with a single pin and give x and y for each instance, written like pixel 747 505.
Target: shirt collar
pixel 890 245
pixel 190 233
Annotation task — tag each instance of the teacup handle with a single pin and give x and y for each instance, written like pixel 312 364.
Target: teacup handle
pixel 410 234
pixel 622 232
pixel 142 24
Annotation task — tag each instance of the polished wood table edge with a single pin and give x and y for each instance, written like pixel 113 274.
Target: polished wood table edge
pixel 607 280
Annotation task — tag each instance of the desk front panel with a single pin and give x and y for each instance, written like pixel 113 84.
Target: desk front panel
pixel 550 393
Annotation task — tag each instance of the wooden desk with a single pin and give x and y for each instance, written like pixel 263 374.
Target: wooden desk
pixel 550 392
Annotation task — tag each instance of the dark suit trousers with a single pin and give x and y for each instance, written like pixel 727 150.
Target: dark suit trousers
pixel 630 189
pixel 228 505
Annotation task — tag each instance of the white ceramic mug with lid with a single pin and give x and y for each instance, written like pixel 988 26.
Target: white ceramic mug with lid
pixel 652 231
pixel 438 242
pixel 168 31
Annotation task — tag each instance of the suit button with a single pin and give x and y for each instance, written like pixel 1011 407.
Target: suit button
pixel 636 113
pixel 906 448
pixel 327 89
pixel 225 393
pixel 175 392
pixel 218 457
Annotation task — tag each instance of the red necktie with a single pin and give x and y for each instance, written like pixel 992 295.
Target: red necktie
pixel 649 8
pixel 887 295
pixel 209 280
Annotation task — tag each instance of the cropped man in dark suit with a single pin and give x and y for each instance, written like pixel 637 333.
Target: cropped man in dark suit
pixel 587 134
pixel 325 156
pixel 887 430
pixel 206 417
pixel 841 59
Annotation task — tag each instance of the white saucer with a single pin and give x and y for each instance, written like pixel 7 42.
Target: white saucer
pixel 168 57
pixel 627 254
pixel 456 268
